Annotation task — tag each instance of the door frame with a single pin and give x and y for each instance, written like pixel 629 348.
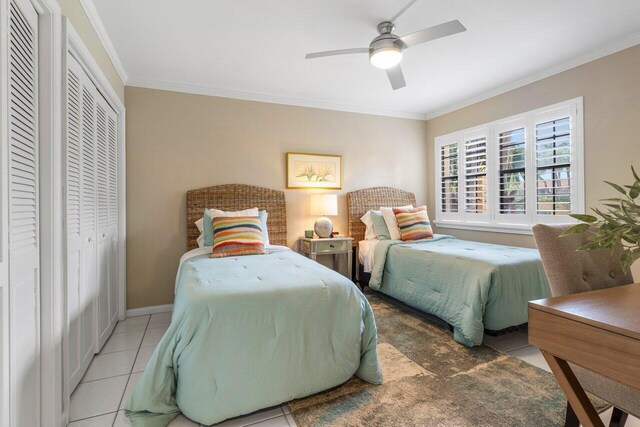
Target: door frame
pixel 51 232
pixel 73 44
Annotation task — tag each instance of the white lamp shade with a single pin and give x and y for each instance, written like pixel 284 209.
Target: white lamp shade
pixel 324 204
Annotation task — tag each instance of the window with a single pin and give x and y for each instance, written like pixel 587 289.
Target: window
pixel 515 172
pixel 511 161
pixel 449 174
pixel 553 167
pixel 475 175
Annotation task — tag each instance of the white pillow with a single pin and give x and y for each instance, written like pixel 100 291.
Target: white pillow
pixel 369 233
pixel 392 224
pixel 200 240
pixel 215 213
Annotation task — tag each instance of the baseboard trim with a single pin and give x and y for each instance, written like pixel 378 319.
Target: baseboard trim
pixel 143 311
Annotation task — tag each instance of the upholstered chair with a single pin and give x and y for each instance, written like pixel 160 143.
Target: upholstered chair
pixel 571 271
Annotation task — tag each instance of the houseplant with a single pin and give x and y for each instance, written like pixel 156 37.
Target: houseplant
pixel 616 222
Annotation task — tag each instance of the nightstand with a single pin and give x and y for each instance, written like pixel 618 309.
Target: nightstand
pixel 335 246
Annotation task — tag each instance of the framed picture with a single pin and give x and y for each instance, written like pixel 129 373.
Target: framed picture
pixel 314 171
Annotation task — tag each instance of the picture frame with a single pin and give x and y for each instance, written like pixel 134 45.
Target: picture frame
pixel 314 171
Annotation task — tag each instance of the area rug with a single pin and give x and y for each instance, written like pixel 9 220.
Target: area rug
pixel 430 380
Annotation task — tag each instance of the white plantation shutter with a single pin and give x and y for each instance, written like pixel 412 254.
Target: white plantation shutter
pixel 449 156
pixel 475 175
pixel 512 172
pixel 553 167
pixel 23 209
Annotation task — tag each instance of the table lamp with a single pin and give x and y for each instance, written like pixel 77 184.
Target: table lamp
pixel 324 204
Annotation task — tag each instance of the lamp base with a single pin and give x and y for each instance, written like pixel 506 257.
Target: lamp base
pixel 323 227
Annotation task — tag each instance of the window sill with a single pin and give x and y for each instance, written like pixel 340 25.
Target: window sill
pixel 492 228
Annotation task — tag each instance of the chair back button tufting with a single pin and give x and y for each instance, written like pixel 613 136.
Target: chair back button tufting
pixel 584 277
pixel 612 274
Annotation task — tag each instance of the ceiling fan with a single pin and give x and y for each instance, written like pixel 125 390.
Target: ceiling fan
pixel 385 51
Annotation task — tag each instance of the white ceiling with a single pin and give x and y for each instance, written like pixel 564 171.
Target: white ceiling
pixel 255 49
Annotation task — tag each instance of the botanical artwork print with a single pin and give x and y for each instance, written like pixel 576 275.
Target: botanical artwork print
pixel 318 171
pixel 314 171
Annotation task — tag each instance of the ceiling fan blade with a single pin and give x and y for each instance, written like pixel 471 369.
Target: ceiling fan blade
pixel 432 33
pixel 403 10
pixel 396 78
pixel 337 52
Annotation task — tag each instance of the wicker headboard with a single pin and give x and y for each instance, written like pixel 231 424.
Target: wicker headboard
pixel 361 201
pixel 234 197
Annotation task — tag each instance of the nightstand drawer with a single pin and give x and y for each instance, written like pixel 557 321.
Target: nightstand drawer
pixel 332 246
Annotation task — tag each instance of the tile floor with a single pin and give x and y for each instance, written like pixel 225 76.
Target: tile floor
pixel 99 399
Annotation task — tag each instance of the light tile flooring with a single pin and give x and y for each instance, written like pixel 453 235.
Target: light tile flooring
pixel 99 399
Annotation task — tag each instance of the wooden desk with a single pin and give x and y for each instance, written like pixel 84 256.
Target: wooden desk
pixel 598 330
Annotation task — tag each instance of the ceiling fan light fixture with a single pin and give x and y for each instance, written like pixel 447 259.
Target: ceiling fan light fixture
pixel 385 57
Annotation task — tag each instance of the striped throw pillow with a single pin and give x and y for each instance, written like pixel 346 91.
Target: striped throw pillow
pixel 413 223
pixel 235 236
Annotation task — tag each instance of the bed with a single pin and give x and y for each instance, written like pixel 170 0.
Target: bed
pixel 252 332
pixel 472 286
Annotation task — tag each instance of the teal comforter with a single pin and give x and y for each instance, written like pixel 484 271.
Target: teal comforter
pixel 252 332
pixel 471 285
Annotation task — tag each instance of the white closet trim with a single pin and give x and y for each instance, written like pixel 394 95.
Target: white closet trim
pixel 51 230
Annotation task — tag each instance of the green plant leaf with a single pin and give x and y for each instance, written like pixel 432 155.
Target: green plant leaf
pixel 611 205
pixel 591 246
pixel 617 187
pixel 635 175
pixel 634 192
pixel 576 229
pixel 589 219
pixel 627 258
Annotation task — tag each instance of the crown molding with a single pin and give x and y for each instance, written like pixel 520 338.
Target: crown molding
pixel 269 98
pixel 606 50
pixel 98 26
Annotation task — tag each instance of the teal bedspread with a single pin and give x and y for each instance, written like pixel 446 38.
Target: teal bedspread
pixel 470 285
pixel 252 332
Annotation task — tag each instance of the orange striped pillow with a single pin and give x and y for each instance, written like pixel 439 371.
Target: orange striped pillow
pixel 413 223
pixel 235 236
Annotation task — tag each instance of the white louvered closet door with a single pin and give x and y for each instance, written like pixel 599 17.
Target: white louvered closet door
pixel 80 212
pixel 88 218
pixel 105 290
pixel 87 293
pixel 24 250
pixel 91 219
pixel 114 297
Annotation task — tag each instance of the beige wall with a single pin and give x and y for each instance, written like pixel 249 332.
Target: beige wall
pixel 73 10
pixel 611 90
pixel 178 142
